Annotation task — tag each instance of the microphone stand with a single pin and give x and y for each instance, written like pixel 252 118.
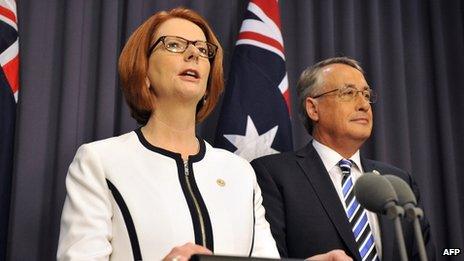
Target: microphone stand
pixel 395 212
pixel 413 214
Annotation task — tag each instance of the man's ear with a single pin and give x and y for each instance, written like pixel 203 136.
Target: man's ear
pixel 312 109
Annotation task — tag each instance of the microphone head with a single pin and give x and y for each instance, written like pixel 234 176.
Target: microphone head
pixel 402 189
pixel 374 192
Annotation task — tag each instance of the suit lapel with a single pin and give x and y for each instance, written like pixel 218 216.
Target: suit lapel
pixel 386 225
pixel 314 169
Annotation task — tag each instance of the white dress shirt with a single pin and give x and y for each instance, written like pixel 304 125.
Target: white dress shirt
pixel 330 158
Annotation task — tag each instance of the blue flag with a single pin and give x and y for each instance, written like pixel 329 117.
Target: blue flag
pixel 254 119
pixel 8 97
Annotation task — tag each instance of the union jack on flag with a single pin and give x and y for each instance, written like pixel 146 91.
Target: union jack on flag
pixel 9 62
pixel 254 119
pixel 9 58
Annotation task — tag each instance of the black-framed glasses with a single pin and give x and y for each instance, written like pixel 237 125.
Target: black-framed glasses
pixel 349 92
pixel 178 44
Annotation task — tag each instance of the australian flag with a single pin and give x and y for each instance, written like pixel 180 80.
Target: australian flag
pixel 254 119
pixel 9 62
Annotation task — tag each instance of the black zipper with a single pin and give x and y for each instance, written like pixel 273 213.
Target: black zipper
pixel 201 222
pixel 195 201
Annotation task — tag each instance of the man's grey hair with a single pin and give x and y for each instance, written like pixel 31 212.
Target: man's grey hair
pixel 311 82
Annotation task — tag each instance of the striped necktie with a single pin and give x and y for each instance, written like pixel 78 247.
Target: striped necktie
pixel 357 215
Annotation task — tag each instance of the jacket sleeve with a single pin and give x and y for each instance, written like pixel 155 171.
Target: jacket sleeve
pixel 273 202
pixel 85 230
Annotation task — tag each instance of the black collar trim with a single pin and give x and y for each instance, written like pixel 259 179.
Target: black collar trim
pixel 192 158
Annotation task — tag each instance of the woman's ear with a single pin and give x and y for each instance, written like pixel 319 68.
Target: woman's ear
pixel 312 109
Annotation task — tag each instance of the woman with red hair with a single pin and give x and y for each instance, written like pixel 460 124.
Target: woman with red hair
pixel 161 191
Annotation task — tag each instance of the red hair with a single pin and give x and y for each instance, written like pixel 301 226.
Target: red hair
pixel 133 65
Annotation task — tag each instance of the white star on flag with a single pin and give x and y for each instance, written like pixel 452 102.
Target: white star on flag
pixel 253 145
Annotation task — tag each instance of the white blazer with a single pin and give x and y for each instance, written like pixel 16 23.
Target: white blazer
pixel 128 200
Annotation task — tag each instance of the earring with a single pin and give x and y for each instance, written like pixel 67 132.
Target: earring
pixel 147 83
pixel 204 99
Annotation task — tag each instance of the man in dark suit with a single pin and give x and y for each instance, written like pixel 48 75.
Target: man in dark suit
pixel 308 195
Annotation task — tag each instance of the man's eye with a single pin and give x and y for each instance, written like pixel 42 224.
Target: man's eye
pixel 349 92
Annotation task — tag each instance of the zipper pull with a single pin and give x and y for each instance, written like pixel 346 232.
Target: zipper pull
pixel 186 168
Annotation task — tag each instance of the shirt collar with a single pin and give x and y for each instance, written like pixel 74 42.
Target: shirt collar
pixel 330 157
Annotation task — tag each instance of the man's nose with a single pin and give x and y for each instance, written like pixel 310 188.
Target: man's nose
pixel 362 102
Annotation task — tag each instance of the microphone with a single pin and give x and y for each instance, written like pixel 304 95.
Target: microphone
pixel 376 194
pixel 407 199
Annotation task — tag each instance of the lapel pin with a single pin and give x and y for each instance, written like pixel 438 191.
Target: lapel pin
pixel 221 182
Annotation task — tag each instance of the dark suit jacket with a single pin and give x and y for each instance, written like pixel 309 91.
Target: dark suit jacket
pixel 307 216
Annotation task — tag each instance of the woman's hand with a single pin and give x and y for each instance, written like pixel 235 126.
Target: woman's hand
pixel 184 252
pixel 334 255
